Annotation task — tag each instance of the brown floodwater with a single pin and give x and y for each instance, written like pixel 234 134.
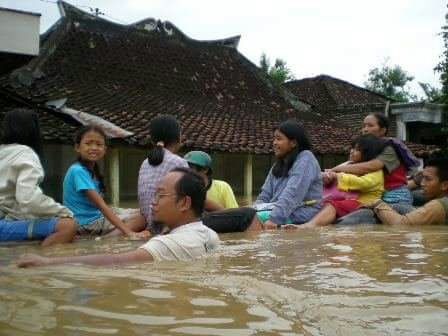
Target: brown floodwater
pixel 364 280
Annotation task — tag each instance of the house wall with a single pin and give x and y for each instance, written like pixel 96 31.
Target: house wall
pixel 228 167
pixel 19 32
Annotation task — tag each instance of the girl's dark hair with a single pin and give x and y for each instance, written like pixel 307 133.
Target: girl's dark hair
pixel 21 126
pixel 96 173
pixel 166 129
pixel 369 145
pixel 383 121
pixel 293 131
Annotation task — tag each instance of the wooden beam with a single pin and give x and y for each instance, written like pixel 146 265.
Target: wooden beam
pixel 248 178
pixel 114 175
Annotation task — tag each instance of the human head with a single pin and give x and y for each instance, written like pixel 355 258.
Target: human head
pixel 90 143
pixel 376 124
pixel 435 177
pixel 165 133
pixel 200 162
pixel 21 126
pixel 366 147
pixel 290 139
pixel 179 197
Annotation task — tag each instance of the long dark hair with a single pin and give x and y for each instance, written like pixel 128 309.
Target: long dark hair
pixel 165 131
pixel 293 131
pixel 21 126
pixel 95 172
pixel 369 145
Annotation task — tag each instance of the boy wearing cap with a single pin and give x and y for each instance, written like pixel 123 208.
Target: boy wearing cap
pixel 219 193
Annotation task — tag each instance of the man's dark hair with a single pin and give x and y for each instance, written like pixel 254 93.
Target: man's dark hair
pixel 382 120
pixel 369 145
pixel 441 163
pixel 293 131
pixel 21 126
pixel 192 185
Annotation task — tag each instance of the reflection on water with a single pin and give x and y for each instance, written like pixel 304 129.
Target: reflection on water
pixel 367 280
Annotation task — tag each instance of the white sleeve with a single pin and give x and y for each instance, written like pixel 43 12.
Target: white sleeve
pixel 29 195
pixel 159 250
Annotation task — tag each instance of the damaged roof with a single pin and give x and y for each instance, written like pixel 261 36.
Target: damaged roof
pixel 127 74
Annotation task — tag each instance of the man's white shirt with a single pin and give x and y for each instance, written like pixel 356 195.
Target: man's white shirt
pixel 186 242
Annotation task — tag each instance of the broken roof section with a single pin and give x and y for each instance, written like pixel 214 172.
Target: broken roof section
pixel 127 74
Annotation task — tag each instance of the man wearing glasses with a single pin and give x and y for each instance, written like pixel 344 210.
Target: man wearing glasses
pixel 177 204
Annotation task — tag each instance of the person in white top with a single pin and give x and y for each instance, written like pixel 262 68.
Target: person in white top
pixel 177 204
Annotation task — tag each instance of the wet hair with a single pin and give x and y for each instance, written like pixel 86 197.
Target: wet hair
pixel 382 120
pixel 441 163
pixel 293 131
pixel 95 172
pixel 192 185
pixel 21 126
pixel 166 129
pixel 369 145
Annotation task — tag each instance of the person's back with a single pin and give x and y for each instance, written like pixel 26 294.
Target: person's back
pixel 25 211
pixel 149 176
pixel 20 174
pixel 221 193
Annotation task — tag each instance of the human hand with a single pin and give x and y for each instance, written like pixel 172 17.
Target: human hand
pixel 291 227
pixel 143 235
pixel 328 176
pixel 32 260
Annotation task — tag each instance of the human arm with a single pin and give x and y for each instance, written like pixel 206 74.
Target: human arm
pixel 229 197
pixel 429 214
pixel 301 175
pixel 360 168
pixel 212 206
pixel 138 255
pixel 99 202
pixel 266 192
pixel 28 193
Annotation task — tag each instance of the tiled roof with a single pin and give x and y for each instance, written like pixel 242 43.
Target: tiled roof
pixel 129 74
pixel 54 126
pixel 325 92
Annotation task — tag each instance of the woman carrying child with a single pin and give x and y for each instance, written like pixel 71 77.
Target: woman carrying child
pixel 370 186
pixel 84 188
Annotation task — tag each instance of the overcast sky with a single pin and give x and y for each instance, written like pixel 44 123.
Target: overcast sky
pixel 340 38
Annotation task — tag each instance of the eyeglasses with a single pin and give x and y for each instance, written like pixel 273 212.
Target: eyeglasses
pixel 158 196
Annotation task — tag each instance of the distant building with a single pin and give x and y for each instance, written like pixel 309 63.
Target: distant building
pixel 127 74
pixel 19 38
pixel 347 104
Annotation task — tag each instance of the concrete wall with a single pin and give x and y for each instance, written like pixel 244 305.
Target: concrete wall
pixel 19 32
pixel 228 167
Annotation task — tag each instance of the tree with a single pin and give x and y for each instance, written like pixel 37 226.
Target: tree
pixel 390 81
pixel 433 94
pixel 278 73
pixel 442 67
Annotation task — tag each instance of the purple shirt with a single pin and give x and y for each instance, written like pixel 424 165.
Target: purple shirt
pixel 150 176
